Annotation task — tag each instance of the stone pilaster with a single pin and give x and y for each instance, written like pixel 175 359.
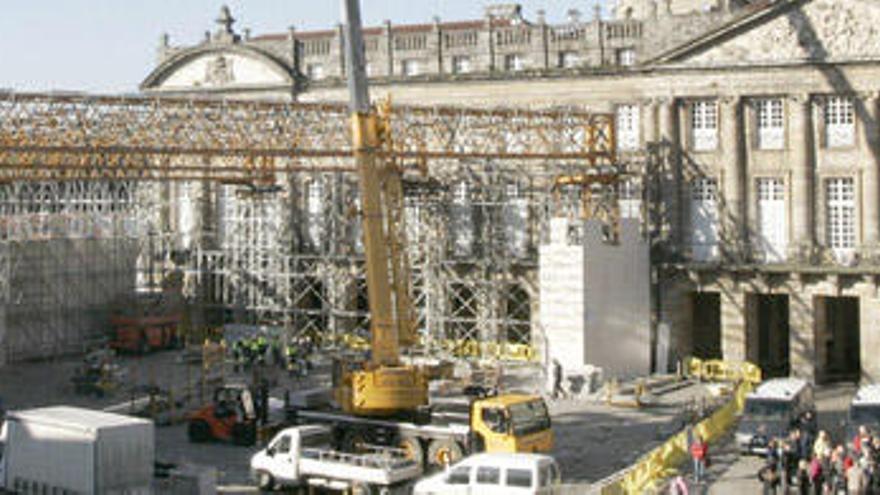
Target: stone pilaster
pixel 870 151
pixel 670 178
pixel 734 175
pixel 733 323
pixel 869 340
pixel 802 339
pixel 801 160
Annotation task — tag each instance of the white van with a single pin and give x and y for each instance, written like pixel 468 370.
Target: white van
pixel 864 410
pixel 770 412
pixel 495 474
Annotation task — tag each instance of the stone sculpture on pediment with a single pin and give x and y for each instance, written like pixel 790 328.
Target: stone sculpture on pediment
pixel 219 72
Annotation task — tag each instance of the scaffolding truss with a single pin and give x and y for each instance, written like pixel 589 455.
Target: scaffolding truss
pixel 259 203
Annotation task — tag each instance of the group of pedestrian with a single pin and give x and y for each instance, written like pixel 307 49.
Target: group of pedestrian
pixel 257 349
pixel 807 460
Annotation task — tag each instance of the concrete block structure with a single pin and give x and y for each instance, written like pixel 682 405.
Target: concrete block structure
pixel 752 127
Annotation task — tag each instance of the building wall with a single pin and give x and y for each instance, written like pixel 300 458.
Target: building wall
pixel 730 60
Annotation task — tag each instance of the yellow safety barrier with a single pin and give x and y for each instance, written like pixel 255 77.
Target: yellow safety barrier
pixel 665 460
pixel 716 370
pixel 463 348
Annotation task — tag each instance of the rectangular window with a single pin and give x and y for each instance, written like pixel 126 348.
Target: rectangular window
pixel 513 62
pixel 841 217
pixel 629 199
pixel 772 220
pixel 462 220
pixel 567 60
pixel 840 127
pixel 626 57
pixel 487 475
pixel 519 477
pixel 704 125
pixel 628 127
pixel 461 64
pixel 410 68
pixel 459 476
pixel 315 72
pixel 771 124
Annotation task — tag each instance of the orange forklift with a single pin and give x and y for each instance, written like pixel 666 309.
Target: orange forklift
pixel 230 417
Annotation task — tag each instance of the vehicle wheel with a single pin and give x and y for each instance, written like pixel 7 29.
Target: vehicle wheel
pixel 353 441
pixel 442 453
pixel 265 482
pixel 361 489
pixel 244 434
pixel 412 448
pixel 198 431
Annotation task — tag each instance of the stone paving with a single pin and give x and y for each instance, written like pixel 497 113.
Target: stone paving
pixel 592 440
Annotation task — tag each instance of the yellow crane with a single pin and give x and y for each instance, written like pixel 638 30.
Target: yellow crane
pixel 383 385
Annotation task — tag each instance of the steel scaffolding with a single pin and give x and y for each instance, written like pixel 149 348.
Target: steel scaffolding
pixel 258 202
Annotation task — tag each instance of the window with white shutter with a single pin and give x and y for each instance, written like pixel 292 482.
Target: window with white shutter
pixel 840 209
pixel 626 57
pixel 513 62
pixel 462 221
pixel 704 125
pixel 461 64
pixel 568 60
pixel 410 67
pixel 772 222
pixel 315 72
pixel 771 124
pixel 627 127
pixel 629 199
pixel 704 219
pixel 840 123
pixel 516 215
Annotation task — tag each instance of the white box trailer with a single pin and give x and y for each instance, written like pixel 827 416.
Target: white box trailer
pixel 65 449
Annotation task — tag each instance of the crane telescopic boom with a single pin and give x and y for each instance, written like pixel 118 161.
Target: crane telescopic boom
pixel 383 385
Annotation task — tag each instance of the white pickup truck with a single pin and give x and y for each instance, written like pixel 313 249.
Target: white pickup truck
pixel 301 456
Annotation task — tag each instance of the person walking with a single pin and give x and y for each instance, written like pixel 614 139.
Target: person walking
pixel 678 486
pixel 803 477
pixel 769 477
pixel 699 454
pixel 558 391
pixel 817 476
pixel 855 480
pixel 822 446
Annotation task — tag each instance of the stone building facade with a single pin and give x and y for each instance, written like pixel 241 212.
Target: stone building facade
pixel 755 124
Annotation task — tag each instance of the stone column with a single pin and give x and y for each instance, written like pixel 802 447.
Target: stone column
pixel 389 48
pixel 802 176
pixel 670 177
pixel 734 175
pixel 869 326
pixel 802 338
pixel 733 322
pixel 435 47
pixel 870 151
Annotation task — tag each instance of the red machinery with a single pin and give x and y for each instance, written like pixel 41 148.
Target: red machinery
pixel 143 334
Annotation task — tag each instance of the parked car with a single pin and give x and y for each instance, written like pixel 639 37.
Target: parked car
pixel 495 474
pixel 770 411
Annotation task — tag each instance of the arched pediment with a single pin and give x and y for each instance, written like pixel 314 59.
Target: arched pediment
pixel 214 67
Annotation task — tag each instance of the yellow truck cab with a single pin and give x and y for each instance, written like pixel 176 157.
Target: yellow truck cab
pixel 511 423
